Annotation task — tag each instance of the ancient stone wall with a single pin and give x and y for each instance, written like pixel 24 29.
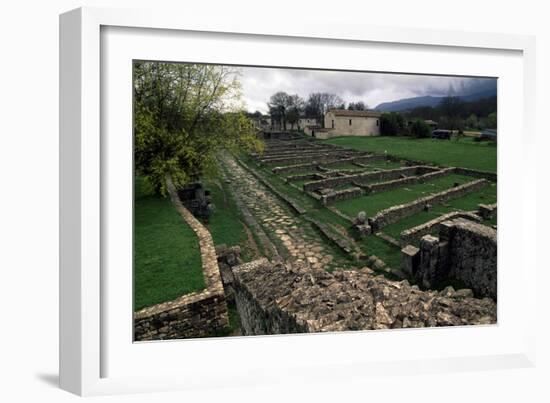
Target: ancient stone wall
pixel 273 298
pixel 465 251
pixel 192 315
pixel 487 211
pixel 415 233
pixel 338 195
pixel 301 177
pixel 473 255
pixel 393 184
pixel 490 176
pixel 319 157
pixel 336 239
pixel 361 177
pixel 396 213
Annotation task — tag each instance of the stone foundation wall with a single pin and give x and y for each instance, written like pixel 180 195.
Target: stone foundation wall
pixel 277 299
pixel 393 184
pixel 319 158
pixel 336 239
pixel 396 213
pixel 465 251
pixel 415 233
pixel 487 211
pixel 490 176
pixel 362 177
pixel 293 152
pixel 295 178
pixel 192 315
pixel 473 255
pixel 338 195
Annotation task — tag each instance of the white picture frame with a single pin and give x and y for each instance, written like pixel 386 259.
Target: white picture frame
pixel 86 339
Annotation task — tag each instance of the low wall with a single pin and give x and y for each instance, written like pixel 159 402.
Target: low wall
pixel 336 239
pixel 396 213
pixel 293 152
pixel 487 211
pixel 358 178
pixel 473 255
pixel 278 299
pixel 338 195
pixel 315 157
pixel 415 233
pixel 465 251
pixel 295 178
pixel 192 315
pixel 490 176
pixel 389 185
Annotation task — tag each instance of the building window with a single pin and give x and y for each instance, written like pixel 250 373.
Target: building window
pixel 350 122
pixel 333 123
pixel 377 122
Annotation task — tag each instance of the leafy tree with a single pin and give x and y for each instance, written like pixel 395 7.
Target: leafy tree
pixel 392 124
pixel 278 104
pixel 449 113
pixel 319 103
pixel 357 106
pixel 285 108
pixel 492 120
pixel 184 114
pixel 420 129
pixel 472 121
pixel 294 109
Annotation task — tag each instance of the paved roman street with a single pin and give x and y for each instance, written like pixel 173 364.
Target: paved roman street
pixel 284 229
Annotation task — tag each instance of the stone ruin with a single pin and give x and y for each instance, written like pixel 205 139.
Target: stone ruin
pixel 197 200
pixel 276 298
pixel 464 251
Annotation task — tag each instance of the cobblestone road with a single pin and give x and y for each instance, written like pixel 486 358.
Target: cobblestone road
pixel 292 233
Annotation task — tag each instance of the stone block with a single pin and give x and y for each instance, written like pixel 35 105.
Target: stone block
pixel 411 258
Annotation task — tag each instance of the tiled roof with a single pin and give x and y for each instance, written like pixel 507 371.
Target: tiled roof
pixel 345 112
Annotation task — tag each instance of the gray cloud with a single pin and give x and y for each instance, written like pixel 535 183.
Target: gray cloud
pixel 260 83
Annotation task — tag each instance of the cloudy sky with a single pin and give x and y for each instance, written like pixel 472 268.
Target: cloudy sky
pixel 372 88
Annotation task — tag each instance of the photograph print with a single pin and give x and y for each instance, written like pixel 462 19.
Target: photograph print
pixel 275 200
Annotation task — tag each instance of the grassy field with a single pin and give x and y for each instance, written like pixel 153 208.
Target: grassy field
pixel 465 153
pixel 167 262
pixel 469 202
pixel 226 224
pixel 371 204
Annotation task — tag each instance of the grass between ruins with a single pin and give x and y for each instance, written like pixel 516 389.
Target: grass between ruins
pixel 371 204
pixel 371 245
pixel 469 202
pixel 226 223
pixel 167 261
pixel 465 152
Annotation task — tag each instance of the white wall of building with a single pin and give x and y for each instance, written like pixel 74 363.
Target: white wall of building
pixel 352 125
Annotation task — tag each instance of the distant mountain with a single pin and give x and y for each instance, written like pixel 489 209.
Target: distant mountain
pixel 410 103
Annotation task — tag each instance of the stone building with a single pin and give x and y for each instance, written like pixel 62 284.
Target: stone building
pixel 302 123
pixel 342 122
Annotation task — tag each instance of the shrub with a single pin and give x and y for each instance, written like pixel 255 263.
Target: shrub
pixel 420 129
pixel 391 124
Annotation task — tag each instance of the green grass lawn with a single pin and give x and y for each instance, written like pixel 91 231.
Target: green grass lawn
pixel 463 153
pixel 225 223
pixel 391 255
pixel 371 204
pixel 167 261
pixel 469 202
